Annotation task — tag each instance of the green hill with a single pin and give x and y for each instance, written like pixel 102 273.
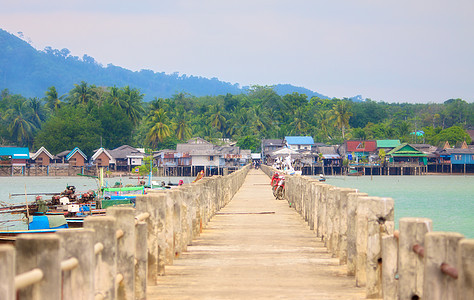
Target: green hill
pixel 30 72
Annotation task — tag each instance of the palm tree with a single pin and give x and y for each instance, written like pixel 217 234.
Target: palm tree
pixel 341 114
pixel 21 128
pixel 299 125
pixel 81 94
pixel 323 119
pixel 160 129
pixel 114 97
pixel 183 130
pixel 132 99
pixel 53 100
pixel 217 119
pixel 38 112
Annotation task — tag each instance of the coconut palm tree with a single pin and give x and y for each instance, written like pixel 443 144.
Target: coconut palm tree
pixel 81 94
pixel 217 119
pixel 53 100
pixel 160 130
pixel 21 127
pixel 183 129
pixel 341 114
pixel 132 100
pixel 38 111
pixel 114 97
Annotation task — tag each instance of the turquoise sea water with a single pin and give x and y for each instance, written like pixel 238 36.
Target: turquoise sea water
pixel 447 200
pixel 50 184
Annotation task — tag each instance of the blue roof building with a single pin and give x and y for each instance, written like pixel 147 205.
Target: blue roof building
pixel 15 152
pixel 299 142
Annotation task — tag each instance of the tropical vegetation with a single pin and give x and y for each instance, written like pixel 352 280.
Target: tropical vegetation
pixel 90 116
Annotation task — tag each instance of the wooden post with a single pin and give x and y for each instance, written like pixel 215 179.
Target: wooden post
pixel 440 247
pixel 39 251
pixel 125 221
pixel 7 272
pixel 466 271
pixel 410 264
pixel 79 282
pixel 105 260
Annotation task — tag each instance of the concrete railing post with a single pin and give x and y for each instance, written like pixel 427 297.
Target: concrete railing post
pixel 466 270
pixel 39 251
pixel 410 264
pixel 105 261
pixel 7 272
pixel 79 282
pixel 440 247
pixel 332 219
pixel 141 256
pixel 322 212
pixel 152 204
pixel 343 225
pixel 125 221
pixel 352 203
pixel 380 223
pixel 374 218
pixel 389 267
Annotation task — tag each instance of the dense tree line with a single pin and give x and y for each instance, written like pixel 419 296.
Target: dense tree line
pixel 89 116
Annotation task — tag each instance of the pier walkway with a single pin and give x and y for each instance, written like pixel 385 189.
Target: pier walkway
pixel 256 248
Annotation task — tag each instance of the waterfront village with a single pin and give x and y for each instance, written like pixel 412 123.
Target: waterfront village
pixel 370 157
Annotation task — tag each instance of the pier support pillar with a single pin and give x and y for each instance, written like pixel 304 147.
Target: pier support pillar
pixel 105 260
pixel 466 271
pixel 78 243
pixel 440 247
pixel 39 251
pixel 7 272
pixel 410 264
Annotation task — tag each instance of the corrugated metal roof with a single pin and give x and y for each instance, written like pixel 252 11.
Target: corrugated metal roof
pixel 15 152
pixel 388 143
pixel 299 140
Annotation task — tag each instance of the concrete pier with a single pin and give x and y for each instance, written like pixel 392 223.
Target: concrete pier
pixel 256 248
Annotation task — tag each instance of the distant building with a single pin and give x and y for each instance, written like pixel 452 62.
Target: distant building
pixel 42 157
pixel 299 142
pixel 76 158
pixel 126 157
pixel 270 145
pixel 102 158
pixel 14 156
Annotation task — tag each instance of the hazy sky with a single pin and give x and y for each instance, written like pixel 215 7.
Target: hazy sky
pixel 390 50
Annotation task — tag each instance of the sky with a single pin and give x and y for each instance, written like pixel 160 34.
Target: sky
pixel 385 50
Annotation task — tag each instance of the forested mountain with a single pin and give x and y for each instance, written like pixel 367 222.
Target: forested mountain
pixel 30 72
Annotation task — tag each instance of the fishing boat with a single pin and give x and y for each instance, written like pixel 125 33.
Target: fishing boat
pixel 354 172
pixel 120 195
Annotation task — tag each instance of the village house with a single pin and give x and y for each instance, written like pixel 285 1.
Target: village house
pixel 299 142
pixel 102 158
pixel 407 154
pixel 270 145
pixel 126 157
pixel 42 157
pixel 358 150
pixel 76 158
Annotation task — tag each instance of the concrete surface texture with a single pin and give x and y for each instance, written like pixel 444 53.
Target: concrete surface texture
pixel 256 248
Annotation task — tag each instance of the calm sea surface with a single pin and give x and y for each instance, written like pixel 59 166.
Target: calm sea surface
pixel 49 184
pixel 447 200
